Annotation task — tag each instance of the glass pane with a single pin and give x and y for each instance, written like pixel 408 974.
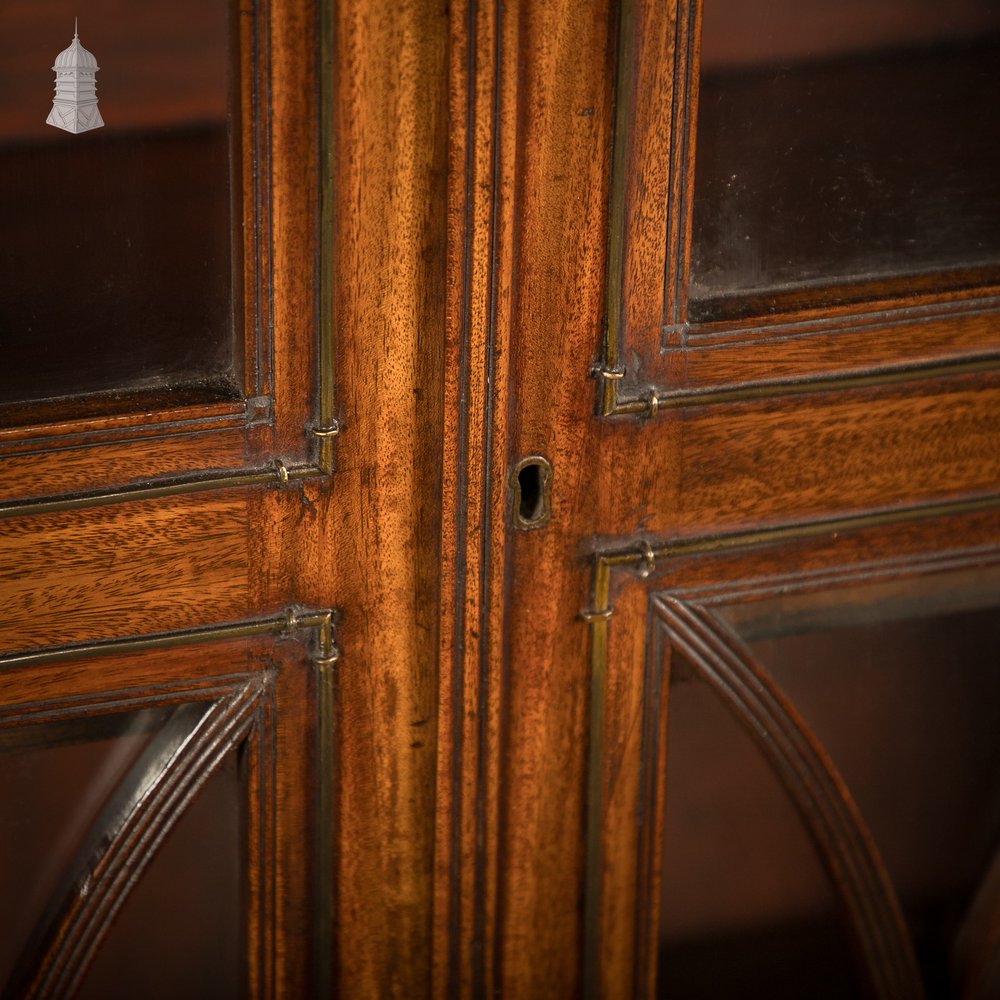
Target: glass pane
pixel 55 779
pixel 841 146
pixel 746 907
pixel 116 263
pixel 900 684
pixel 181 930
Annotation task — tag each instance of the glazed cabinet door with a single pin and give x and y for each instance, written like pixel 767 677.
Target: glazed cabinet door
pixel 166 403
pixel 721 696
pixel 222 308
pixel 810 804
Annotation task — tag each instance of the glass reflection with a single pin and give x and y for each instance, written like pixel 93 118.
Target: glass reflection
pixel 898 682
pixel 747 909
pixel 180 932
pixel 59 776
pixel 843 146
pixel 116 262
pixel 909 710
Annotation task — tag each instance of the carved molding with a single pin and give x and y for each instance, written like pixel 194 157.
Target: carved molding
pixel 207 723
pixel 681 616
pixel 856 871
pixel 147 805
pixel 236 453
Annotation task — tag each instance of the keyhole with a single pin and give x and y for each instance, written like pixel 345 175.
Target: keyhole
pixel 531 481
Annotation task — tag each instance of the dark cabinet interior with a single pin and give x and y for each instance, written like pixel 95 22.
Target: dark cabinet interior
pixel 843 162
pixel 121 263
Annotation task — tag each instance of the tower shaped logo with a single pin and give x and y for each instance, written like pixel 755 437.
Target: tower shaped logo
pixel 75 106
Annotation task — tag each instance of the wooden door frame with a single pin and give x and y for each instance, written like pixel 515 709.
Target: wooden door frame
pixel 282 427
pixel 665 597
pixel 268 694
pixel 565 222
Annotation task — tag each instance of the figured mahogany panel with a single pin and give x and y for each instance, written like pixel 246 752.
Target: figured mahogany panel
pixel 793 460
pixel 104 463
pixel 570 144
pixel 123 569
pixel 704 469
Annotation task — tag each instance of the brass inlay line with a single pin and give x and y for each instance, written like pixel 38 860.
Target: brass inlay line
pixel 599 620
pixel 327 426
pixel 275 475
pixel 326 82
pixel 325 433
pixel 607 387
pixel 656 398
pixel 290 621
pixel 331 430
pixel 639 554
pixel 614 399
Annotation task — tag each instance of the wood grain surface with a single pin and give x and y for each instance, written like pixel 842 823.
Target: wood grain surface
pixel 368 541
pixel 134 568
pixel 125 569
pixel 893 564
pixel 472 280
pixel 276 767
pixel 650 333
pixel 535 257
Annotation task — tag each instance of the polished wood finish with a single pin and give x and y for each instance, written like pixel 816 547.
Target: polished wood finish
pixel 469 219
pixel 377 554
pixel 147 540
pixel 111 571
pixel 809 419
pixel 259 405
pixel 651 227
pixel 681 593
pixel 258 705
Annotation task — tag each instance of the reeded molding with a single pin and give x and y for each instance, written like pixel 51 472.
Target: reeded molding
pixel 685 620
pixel 164 780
